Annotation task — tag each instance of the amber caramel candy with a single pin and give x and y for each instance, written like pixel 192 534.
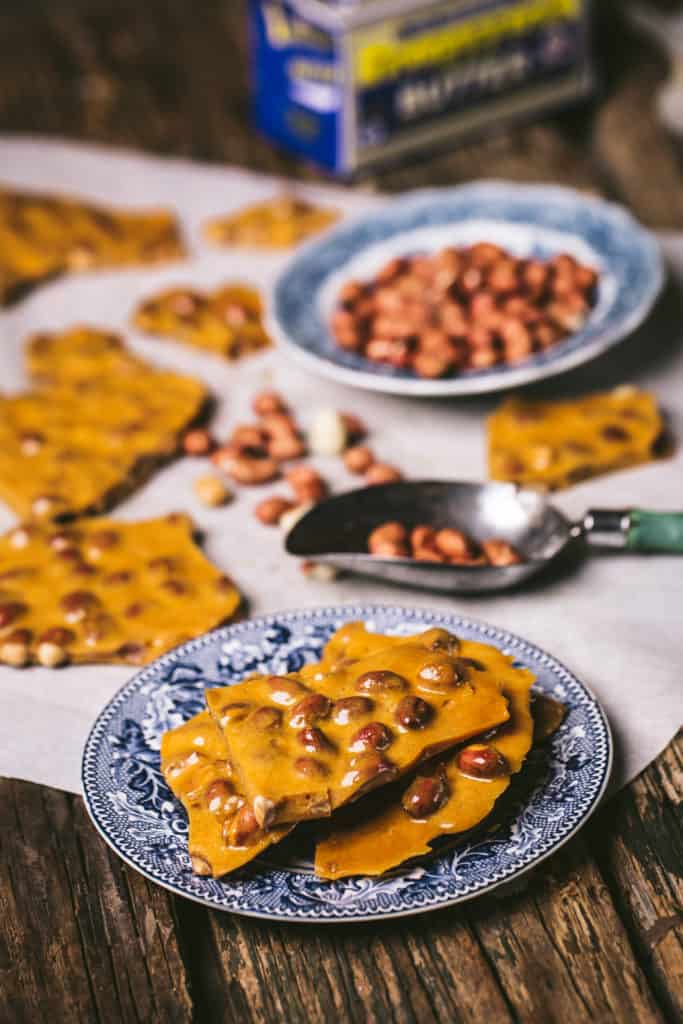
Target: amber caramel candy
pixel 556 444
pixel 227 321
pixel 301 751
pixel 223 834
pixel 45 235
pixel 273 224
pixel 451 796
pixel 98 590
pixel 98 422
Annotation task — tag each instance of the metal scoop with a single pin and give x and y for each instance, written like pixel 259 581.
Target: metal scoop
pixel 336 531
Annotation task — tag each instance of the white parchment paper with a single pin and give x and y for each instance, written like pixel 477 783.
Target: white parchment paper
pixel 614 619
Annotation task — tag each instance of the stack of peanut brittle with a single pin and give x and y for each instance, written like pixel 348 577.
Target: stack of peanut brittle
pixel 389 743
pixel 97 422
pixel 42 236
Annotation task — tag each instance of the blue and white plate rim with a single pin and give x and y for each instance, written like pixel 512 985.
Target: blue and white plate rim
pixel 422 616
pixel 497 378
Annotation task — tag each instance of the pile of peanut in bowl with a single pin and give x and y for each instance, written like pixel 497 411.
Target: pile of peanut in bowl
pixel 463 308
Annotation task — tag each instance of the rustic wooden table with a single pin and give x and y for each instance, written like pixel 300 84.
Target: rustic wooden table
pixel 594 934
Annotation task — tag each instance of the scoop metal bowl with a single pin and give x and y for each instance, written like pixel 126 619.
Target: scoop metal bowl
pixel 336 531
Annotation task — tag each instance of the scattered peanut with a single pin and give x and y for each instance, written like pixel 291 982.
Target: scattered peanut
pixel 267 402
pixel 270 510
pixel 328 434
pixel 358 459
pixel 382 473
pixel 197 442
pixel 212 491
pixel 307 484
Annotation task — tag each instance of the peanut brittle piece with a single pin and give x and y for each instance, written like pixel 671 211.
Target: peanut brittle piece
pixel 274 224
pixel 556 444
pixel 99 590
pixel 227 321
pixel 99 422
pixel 223 833
pixel 450 796
pixel 43 235
pixel 300 751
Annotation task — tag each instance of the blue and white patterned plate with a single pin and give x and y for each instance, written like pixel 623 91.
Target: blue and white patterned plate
pixel 528 220
pixel 137 815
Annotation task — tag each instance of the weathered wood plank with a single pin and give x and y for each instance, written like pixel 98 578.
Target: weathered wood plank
pixel 638 841
pixel 560 948
pixel 82 938
pixel 418 970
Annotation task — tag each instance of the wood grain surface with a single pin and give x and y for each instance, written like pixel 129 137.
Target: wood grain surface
pixel 596 933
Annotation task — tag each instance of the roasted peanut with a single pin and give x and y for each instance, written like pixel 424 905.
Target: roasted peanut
pixel 382 473
pixel 453 543
pixel 15 648
pixel 328 434
pixel 440 674
pixel 358 459
pixel 220 796
pixel 307 484
pixel 314 740
pixel 373 736
pixel 381 681
pixel 482 762
pixel 500 552
pixel 285 449
pixel 236 711
pixel 425 795
pixel 243 828
pixel 347 709
pixel 267 402
pixel 310 709
pixel 52 655
pixel 245 469
pixel 355 428
pixel 310 767
pixel 285 691
pixel 368 769
pixel 387 533
pixel 211 491
pixel 270 510
pixel 266 718
pixel 413 712
pixel 197 442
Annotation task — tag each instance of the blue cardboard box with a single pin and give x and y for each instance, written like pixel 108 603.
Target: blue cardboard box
pixel 349 83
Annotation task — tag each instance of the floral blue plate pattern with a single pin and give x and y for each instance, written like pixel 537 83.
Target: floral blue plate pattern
pixel 528 220
pixel 134 811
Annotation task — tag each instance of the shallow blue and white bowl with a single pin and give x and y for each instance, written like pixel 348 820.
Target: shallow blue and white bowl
pixel 135 812
pixel 528 220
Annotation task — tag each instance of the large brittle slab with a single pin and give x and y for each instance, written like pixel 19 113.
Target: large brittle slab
pixel 300 752
pixel 227 321
pixel 223 834
pixel 99 421
pixel 556 444
pixel 99 590
pixel 274 224
pixel 444 799
pixel 43 235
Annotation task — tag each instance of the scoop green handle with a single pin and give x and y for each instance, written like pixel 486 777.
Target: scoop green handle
pixel 655 531
pixel 634 528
